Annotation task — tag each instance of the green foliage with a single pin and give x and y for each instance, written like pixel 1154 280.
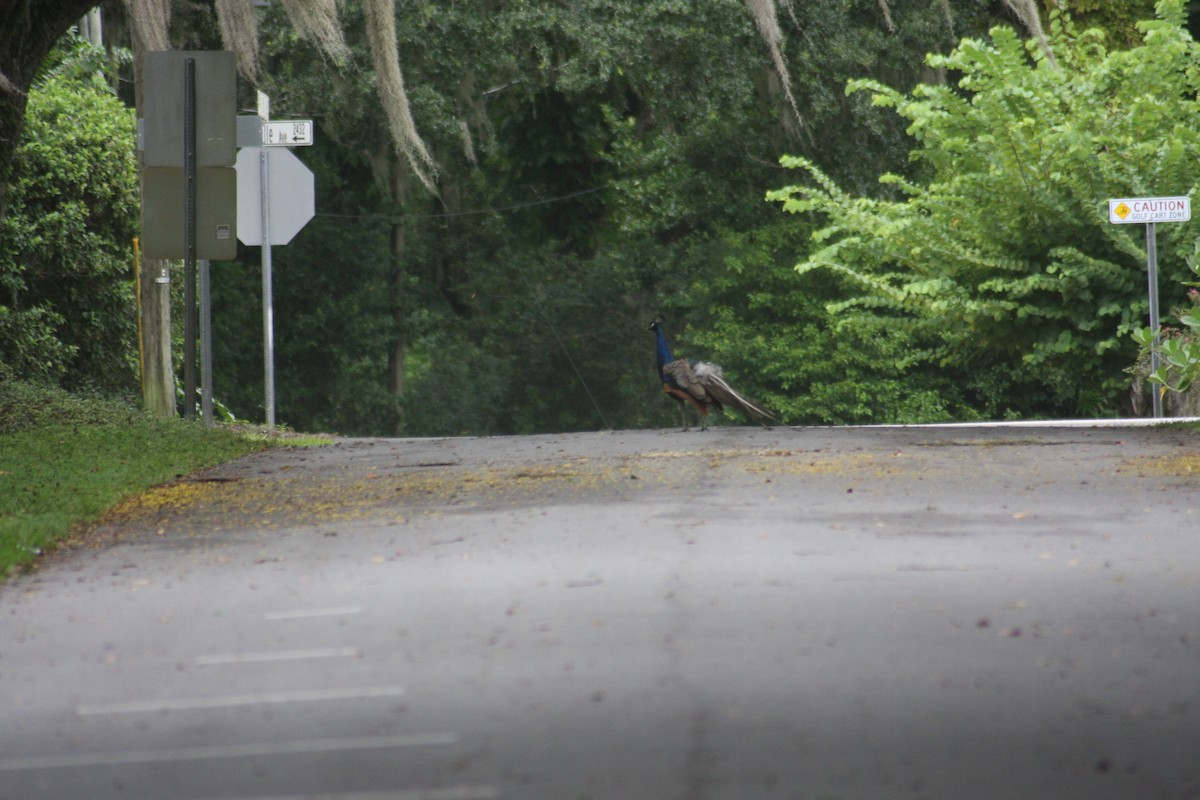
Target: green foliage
pixel 1177 348
pixel 517 303
pixel 66 292
pixel 595 158
pixel 774 339
pixel 735 298
pixel 602 161
pixel 25 405
pixel 1000 256
pixel 65 458
pixel 76 60
pixel 29 345
pixel 1180 365
pixel 1118 20
pixel 332 315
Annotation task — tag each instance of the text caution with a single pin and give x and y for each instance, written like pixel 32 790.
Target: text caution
pixel 1149 209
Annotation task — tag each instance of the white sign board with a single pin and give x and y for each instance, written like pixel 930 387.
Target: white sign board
pixel 1128 210
pixel 291 195
pixel 287 133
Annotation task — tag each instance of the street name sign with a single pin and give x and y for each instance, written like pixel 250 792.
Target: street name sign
pixel 287 133
pixel 1129 210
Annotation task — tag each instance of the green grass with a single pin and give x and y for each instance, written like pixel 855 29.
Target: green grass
pixel 65 459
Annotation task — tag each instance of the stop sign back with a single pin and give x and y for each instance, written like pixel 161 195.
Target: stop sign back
pixel 290 195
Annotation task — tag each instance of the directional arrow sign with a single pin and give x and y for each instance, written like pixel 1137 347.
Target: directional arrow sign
pixel 287 133
pixel 291 196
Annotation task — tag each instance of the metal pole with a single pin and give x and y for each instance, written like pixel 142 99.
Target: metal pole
pixel 206 377
pixel 1152 278
pixel 189 238
pixel 268 302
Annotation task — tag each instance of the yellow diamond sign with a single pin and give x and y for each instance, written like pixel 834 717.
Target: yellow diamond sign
pixel 1122 210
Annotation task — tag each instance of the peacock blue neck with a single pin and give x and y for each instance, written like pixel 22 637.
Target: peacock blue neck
pixel 664 349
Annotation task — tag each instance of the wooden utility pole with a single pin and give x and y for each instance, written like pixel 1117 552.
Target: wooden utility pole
pixel 158 374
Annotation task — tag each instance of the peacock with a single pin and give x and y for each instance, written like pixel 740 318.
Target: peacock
pixel 700 383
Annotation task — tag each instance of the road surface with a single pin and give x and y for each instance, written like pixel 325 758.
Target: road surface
pixel 732 615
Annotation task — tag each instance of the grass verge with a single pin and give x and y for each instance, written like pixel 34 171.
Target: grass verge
pixel 64 459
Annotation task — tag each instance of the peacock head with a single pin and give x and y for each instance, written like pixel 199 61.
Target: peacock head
pixel 663 353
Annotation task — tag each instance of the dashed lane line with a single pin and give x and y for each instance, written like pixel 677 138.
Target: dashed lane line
pixel 253 750
pixel 217 659
pixel 308 613
pixel 233 700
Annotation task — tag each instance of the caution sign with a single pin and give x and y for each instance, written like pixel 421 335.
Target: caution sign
pixel 1128 210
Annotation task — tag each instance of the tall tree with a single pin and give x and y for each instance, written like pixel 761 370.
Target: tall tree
pixel 28 30
pixel 595 161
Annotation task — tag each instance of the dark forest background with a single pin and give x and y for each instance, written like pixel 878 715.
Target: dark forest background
pixel 601 162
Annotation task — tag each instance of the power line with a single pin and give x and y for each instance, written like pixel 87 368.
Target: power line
pixel 468 213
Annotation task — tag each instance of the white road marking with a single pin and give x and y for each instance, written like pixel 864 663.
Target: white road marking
pixel 253 750
pixel 307 613
pixel 1135 422
pixel 277 655
pixel 231 700
pixel 444 793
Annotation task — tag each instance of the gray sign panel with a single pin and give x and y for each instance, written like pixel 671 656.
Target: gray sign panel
pixel 216 108
pixel 216 213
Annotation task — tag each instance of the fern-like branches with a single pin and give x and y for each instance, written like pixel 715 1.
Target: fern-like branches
pixel 1004 244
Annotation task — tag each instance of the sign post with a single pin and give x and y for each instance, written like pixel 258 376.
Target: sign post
pixel 1149 211
pixel 275 200
pixel 264 186
pixel 188 185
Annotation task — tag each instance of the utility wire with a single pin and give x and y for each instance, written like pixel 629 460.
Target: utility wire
pixel 607 425
pixel 540 308
pixel 515 207
pixel 468 213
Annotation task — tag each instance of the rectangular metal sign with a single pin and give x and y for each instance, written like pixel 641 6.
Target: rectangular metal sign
pixel 163 213
pixel 1129 210
pixel 287 133
pixel 216 97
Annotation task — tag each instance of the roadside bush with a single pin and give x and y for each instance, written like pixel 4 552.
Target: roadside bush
pixel 999 259
pixel 67 307
pixel 25 404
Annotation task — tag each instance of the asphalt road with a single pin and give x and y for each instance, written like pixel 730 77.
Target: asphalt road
pixel 739 614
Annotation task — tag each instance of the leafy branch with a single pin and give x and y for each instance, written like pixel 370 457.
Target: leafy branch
pixel 1001 245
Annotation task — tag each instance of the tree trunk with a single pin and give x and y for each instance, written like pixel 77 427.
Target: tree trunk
pixel 400 191
pixel 158 377
pixel 158 374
